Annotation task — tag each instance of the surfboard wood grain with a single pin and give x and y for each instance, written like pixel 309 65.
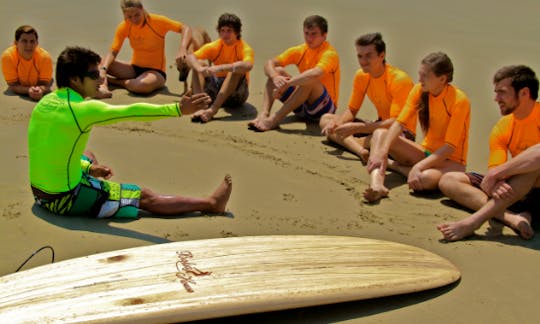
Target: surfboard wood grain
pixel 202 279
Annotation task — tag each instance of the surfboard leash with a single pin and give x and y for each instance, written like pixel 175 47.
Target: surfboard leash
pixel 36 252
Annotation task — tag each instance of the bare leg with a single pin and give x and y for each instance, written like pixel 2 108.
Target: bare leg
pixel 494 208
pixel 376 190
pixel 145 83
pixel 458 187
pixel 173 205
pixel 230 84
pixel 358 146
pixel 268 99
pixel 307 92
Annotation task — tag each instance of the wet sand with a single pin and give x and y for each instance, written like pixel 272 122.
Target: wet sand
pixel 288 181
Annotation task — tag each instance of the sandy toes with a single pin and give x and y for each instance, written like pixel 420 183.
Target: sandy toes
pixel 373 195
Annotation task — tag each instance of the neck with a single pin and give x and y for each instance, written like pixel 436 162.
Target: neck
pixel 525 108
pixel 378 72
pixel 439 90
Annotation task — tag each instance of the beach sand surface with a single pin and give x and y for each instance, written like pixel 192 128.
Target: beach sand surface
pixel 289 181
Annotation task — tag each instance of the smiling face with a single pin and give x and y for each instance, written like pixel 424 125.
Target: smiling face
pixel 228 35
pixel 26 45
pixel 506 97
pixel 88 86
pixel 313 37
pixel 134 15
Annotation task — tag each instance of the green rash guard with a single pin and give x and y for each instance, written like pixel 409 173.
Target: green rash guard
pixel 59 129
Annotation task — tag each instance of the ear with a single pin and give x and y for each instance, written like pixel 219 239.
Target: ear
pixel 74 82
pixel 524 93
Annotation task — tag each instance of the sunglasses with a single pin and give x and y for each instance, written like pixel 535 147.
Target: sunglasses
pixel 94 74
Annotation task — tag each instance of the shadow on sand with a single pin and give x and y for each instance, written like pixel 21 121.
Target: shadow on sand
pixel 105 226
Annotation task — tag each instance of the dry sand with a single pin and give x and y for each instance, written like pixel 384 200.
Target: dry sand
pixel 287 181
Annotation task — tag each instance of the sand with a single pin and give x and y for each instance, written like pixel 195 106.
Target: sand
pixel 288 181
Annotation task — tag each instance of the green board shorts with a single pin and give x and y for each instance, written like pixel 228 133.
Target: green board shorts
pixel 95 198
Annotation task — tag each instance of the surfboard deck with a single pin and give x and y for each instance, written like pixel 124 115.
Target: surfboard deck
pixel 192 280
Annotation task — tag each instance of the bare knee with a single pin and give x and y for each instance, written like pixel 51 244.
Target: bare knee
pixel 326 118
pixel 148 199
pixel 378 134
pixel 449 181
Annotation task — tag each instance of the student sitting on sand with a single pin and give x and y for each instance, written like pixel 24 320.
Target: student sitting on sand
pixel 27 67
pixel 226 80
pixel 146 34
pixel 444 114
pixel 310 94
pixel 64 180
pixel 385 85
pixel 510 191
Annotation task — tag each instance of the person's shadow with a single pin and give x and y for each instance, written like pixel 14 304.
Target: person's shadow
pixel 105 226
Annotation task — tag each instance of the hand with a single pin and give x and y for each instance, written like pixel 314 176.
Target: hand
pixel 329 128
pixel 377 161
pixel 190 104
pixel 414 180
pixel 346 129
pixel 280 81
pixel 502 190
pixel 100 171
pixel 35 92
pixel 264 124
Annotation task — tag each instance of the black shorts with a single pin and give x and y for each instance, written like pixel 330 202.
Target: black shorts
pixel 140 70
pixel 530 203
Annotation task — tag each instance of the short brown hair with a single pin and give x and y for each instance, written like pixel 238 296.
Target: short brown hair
pixel 316 21
pixel 522 77
pixel 25 29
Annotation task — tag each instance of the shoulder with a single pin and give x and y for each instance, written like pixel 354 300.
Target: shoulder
pixel 328 49
pixel 42 53
pixel 10 53
pixel 398 75
pixel 361 76
pixel 459 95
pixel 502 125
pixel 243 44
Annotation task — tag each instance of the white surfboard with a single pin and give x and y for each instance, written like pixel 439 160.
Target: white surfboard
pixel 202 279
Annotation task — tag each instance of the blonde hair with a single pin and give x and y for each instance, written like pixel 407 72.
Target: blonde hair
pixel 124 4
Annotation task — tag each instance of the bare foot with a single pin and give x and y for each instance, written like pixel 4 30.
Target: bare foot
pixel 373 195
pixel 220 197
pixel 103 93
pixel 456 231
pixel 520 223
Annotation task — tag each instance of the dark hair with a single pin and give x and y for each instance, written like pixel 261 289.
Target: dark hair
pixel 316 21
pixel 232 21
pixel 74 62
pixel 372 39
pixel 25 29
pixel 440 64
pixel 522 77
